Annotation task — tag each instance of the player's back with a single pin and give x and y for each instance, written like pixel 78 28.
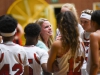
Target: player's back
pixel 70 65
pixel 12 59
pixel 36 57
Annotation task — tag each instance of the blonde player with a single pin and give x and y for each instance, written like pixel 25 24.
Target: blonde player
pixel 68 51
pixel 13 58
pixel 85 20
pixel 37 57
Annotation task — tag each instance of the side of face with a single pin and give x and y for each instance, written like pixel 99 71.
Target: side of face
pixel 93 25
pixel 86 24
pixel 46 29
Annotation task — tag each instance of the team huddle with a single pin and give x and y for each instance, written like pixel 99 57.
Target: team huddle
pixel 74 50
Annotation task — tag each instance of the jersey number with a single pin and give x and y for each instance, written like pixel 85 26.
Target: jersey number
pixel 5 69
pixel 77 70
pixel 30 69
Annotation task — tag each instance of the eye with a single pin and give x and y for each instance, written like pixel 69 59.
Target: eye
pixel 85 21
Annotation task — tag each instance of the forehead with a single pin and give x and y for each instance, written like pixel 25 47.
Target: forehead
pixel 46 23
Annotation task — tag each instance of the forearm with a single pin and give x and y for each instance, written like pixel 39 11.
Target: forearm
pixel 94 69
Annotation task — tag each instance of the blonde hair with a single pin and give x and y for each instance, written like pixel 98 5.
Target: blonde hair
pixel 50 41
pixel 72 8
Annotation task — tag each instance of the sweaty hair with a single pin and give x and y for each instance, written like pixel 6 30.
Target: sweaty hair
pixel 7 24
pixel 40 22
pixel 96 16
pixel 32 30
pixel 68 26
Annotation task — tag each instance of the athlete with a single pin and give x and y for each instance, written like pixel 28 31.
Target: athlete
pixel 37 57
pixel 93 62
pixel 68 51
pixel 13 58
pixel 85 20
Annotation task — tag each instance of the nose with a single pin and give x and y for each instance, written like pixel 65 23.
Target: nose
pixel 50 28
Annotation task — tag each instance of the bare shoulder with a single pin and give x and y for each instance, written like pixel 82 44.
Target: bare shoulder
pixel 95 35
pixel 56 43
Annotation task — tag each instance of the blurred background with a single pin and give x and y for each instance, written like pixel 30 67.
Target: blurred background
pixel 26 11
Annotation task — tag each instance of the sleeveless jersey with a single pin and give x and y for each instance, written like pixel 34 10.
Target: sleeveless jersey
pixel 85 37
pixel 69 65
pixel 36 57
pixel 13 58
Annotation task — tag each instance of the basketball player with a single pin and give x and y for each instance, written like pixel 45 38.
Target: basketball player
pixel 85 20
pixel 37 57
pixel 68 51
pixel 13 58
pixel 93 62
pixel 70 7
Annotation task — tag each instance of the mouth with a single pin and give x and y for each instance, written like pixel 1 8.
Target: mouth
pixel 50 32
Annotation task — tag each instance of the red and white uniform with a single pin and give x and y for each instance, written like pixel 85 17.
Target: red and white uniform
pixel 13 58
pixel 70 65
pixel 36 57
pixel 85 37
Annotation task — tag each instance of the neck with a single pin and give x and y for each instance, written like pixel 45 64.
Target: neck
pixel 6 39
pixel 45 40
pixel 29 43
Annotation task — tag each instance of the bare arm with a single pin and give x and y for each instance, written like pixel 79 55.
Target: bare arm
pixel 52 57
pixel 94 47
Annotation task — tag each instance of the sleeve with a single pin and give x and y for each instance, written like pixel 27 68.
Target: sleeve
pixel 25 60
pixel 24 57
pixel 44 57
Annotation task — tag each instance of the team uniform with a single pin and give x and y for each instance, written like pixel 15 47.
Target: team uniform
pixel 36 57
pixel 13 58
pixel 85 37
pixel 69 65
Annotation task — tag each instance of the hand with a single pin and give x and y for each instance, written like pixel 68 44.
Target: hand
pixel 58 37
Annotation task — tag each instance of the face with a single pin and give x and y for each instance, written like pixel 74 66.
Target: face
pixel 93 26
pixel 46 29
pixel 85 24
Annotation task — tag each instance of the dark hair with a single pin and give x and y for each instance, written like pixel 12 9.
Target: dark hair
pixel 32 30
pixel 7 24
pixel 96 16
pixel 68 26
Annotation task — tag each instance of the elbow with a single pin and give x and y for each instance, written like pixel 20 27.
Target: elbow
pixel 96 66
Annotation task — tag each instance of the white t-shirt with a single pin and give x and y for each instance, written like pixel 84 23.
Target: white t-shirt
pixel 36 57
pixel 12 57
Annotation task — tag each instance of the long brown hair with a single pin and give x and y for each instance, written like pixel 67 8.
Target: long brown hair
pixel 68 26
